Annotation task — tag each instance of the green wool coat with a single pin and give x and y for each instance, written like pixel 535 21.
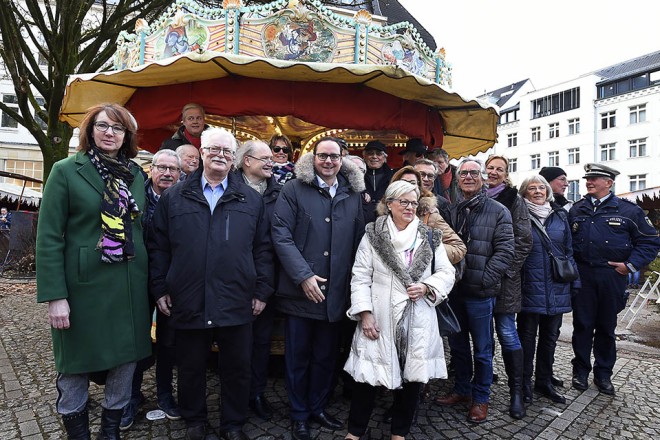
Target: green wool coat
pixel 109 316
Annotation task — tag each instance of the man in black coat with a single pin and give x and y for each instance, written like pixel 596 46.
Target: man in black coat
pixel 255 166
pixel 376 178
pixel 317 226
pixel 211 269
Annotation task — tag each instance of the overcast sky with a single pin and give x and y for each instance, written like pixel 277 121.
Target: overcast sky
pixel 493 43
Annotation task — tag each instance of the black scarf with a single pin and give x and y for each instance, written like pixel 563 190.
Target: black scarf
pixel 462 220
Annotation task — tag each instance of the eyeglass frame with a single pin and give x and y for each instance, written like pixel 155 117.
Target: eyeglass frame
pixel 472 173
pixel 334 157
pixel 121 128
pixel 166 168
pixel 262 159
pixel 220 150
pixel 277 149
pixel 405 203
pixel 424 175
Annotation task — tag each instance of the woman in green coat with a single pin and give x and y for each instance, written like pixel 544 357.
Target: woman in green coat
pixel 92 268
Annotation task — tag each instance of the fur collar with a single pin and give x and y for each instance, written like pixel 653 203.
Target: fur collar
pixel 350 171
pixel 379 237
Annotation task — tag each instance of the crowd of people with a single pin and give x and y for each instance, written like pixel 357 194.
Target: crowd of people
pixel 221 238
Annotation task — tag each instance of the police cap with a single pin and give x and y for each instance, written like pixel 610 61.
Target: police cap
pixel 599 170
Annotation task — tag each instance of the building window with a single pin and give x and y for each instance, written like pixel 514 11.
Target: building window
pixel 553 130
pixel 7 121
pixel 607 120
pixel 637 182
pixel 536 161
pixel 637 147
pixel 573 156
pixel 573 190
pixel 42 102
pixel 553 159
pixel 607 152
pixel 27 168
pixel 512 139
pixel 536 134
pixel 574 126
pixel 638 114
pixel 556 103
pixel 513 165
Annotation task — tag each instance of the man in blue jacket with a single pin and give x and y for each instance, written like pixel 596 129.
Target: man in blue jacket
pixel 211 269
pixel 612 237
pixel 317 226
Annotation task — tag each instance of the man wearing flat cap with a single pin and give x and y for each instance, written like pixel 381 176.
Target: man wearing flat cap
pixel 415 149
pixel 612 237
pixel 376 178
pixel 556 177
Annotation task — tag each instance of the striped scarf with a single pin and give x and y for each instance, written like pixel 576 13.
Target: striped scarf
pixel 118 207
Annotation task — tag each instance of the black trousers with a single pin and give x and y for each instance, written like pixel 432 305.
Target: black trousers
pixel 548 333
pixel 262 330
pixel 595 309
pixel 362 405
pixel 192 349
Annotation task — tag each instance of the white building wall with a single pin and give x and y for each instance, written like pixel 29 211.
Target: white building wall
pixel 590 137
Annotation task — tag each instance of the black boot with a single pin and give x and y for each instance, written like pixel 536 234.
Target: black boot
pixel 110 419
pixel 77 425
pixel 528 394
pixel 513 364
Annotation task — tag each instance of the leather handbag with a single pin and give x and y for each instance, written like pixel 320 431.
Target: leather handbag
pixel 563 270
pixel 447 322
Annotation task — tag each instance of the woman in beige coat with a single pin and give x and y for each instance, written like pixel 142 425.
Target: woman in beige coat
pixel 399 277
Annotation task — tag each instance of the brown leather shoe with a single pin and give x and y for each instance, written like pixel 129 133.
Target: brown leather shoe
pixel 478 413
pixel 452 399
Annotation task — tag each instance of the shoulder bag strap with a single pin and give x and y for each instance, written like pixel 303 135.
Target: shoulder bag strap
pixel 430 237
pixel 545 239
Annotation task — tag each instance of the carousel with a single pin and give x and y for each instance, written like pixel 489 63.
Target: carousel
pixel 292 67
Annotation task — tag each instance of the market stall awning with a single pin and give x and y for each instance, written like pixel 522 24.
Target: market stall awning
pixel 305 98
pixel 14 192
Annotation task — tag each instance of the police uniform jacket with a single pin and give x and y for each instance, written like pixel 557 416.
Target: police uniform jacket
pixel 314 234
pixel 617 231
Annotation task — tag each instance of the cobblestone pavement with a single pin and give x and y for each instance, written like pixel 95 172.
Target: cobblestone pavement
pixel 27 395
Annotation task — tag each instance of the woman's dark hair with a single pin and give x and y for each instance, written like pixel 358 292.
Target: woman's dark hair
pixel 118 114
pixel 280 137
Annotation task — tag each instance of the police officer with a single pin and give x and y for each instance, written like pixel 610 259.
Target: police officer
pixel 611 238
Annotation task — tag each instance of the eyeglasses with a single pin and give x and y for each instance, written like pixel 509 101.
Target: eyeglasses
pixel 163 168
pixel 429 176
pixel 265 160
pixel 535 188
pixel 374 153
pixel 323 157
pixel 405 203
pixel 473 173
pixel 287 150
pixel 103 127
pixel 228 152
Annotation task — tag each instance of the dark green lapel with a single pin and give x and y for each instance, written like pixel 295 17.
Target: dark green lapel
pixel 86 169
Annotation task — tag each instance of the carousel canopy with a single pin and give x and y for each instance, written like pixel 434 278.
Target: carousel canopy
pixel 258 97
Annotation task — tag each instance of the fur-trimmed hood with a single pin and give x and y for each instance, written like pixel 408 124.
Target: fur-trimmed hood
pixel 305 172
pixel 380 239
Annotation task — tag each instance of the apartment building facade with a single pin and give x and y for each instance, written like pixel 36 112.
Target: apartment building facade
pixel 610 116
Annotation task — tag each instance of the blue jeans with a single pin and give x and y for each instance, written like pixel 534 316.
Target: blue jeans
pixel 505 325
pixel 475 316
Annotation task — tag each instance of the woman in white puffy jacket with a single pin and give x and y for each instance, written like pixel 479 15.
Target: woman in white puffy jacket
pixel 397 281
